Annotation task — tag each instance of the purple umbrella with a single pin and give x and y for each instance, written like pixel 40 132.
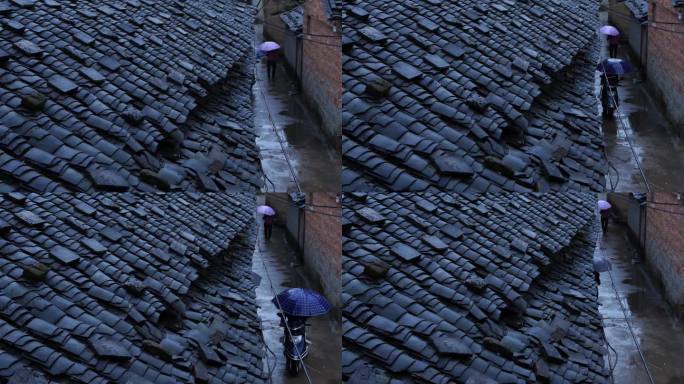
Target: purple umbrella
pixel 268 46
pixel 603 205
pixel 609 30
pixel 265 210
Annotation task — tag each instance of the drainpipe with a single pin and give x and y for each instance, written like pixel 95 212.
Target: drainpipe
pixel 300 59
pixel 644 36
pixel 645 227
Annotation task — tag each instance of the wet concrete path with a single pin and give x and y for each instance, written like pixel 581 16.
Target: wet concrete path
pixel 287 130
pixel 656 143
pixel 323 362
pixel 657 330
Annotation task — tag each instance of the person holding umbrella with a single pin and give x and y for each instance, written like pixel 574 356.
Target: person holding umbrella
pixel 611 70
pixel 604 210
pixel 272 51
pixel 613 39
pixel 295 306
pixel 269 214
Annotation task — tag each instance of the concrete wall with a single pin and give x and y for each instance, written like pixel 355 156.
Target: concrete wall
pixel 666 60
pixel 276 30
pixel 632 31
pixel 322 68
pixel 279 202
pixel 616 19
pixel 664 245
pixel 323 243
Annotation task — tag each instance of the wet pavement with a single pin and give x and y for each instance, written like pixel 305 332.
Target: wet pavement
pixel 289 139
pixel 656 328
pixel 656 143
pixel 323 362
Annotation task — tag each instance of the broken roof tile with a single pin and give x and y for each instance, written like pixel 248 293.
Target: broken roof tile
pixel 474 308
pixel 467 93
pixel 85 315
pixel 87 68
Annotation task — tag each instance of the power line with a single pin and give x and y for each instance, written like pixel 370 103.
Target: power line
pixel 665 211
pixel 282 313
pixel 618 115
pixel 275 130
pixel 301 33
pixel 622 195
pixel 615 11
pixel 624 314
pixel 277 197
pixel 650 24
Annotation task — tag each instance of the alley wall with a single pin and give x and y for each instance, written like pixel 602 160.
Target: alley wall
pixel 323 243
pixel 322 68
pixel 664 245
pixel 665 62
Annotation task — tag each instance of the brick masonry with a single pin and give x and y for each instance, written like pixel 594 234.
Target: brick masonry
pixel 666 59
pixel 323 243
pixel 322 67
pixel 664 246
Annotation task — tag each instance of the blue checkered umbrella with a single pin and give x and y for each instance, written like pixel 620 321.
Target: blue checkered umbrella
pixel 615 67
pixel 302 302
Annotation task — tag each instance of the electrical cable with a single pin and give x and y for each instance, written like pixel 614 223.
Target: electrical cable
pixel 275 130
pixel 309 39
pixel 280 309
pixel 308 205
pixel 623 197
pixel 665 211
pixel 301 33
pixel 613 187
pixel 268 364
pixel 626 15
pixel 618 115
pixel 624 314
pixel 650 24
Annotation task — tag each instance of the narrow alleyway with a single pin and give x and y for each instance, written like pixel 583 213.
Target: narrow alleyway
pixel 656 144
pixel 323 362
pixel 658 331
pixel 288 136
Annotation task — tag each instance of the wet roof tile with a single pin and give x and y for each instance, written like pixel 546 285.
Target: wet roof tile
pixel 445 288
pixel 457 96
pixel 115 95
pixel 87 317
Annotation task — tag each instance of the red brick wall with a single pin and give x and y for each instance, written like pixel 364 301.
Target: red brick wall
pixel 322 67
pixel 323 243
pixel 666 58
pixel 665 243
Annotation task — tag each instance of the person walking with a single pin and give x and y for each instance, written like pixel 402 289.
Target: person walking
pixel 268 226
pixel 272 59
pixel 613 42
pixel 605 213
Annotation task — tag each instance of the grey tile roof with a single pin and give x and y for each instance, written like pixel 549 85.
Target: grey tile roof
pixel 639 8
pixel 126 95
pixel 471 96
pixel 126 288
pixel 333 8
pixel 494 288
pixel 294 18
